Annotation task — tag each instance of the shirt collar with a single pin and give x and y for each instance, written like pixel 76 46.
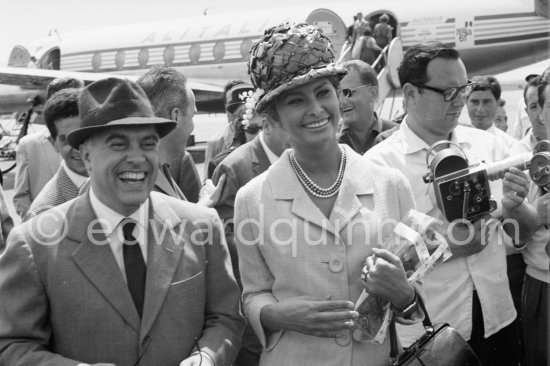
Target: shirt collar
pixel 492 130
pixel 77 179
pixel 377 124
pixel 271 156
pixel 413 143
pixel 110 219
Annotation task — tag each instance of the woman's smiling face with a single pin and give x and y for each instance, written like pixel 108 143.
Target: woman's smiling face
pixel 310 112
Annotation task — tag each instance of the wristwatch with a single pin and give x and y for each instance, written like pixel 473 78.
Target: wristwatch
pixel 409 309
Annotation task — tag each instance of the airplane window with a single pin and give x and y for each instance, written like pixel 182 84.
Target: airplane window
pixel 219 50
pixel 143 57
pixel 120 57
pixel 96 61
pixel 169 54
pixel 195 53
pixel 246 45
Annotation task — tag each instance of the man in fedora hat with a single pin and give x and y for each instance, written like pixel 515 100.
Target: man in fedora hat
pixel 120 275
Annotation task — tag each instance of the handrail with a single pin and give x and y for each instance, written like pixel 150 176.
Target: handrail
pixel 381 56
pixel 345 50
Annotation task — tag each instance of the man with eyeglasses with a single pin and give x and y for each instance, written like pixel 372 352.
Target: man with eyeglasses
pixel 470 291
pixel 358 96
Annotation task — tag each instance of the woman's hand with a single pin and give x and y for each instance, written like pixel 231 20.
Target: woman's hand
pixel 320 317
pixel 384 276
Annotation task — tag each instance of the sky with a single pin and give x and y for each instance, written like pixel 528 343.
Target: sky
pixel 23 21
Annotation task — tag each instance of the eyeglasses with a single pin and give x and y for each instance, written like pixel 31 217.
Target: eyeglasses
pixel 450 94
pixel 348 93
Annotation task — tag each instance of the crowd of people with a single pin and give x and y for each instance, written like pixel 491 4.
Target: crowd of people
pixel 125 258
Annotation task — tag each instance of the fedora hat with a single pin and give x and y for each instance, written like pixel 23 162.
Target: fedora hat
pixel 287 56
pixel 115 102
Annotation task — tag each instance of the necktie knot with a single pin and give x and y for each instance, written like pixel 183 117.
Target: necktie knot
pixel 127 231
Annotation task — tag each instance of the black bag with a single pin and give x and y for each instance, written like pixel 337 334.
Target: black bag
pixel 437 347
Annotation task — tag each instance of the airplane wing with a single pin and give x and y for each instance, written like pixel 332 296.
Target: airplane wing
pixel 209 97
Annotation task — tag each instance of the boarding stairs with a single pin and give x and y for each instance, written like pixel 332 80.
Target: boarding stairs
pixel 388 80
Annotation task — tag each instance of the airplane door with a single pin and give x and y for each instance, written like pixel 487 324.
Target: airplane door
pixel 331 25
pixel 464 32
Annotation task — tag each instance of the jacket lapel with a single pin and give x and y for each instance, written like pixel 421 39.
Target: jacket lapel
pixel 164 181
pixel 356 182
pixel 287 187
pixel 96 261
pixel 53 159
pixel 260 161
pixel 163 258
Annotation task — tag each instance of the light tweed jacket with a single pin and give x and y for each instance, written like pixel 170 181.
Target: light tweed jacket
pixel 288 248
pixel 58 190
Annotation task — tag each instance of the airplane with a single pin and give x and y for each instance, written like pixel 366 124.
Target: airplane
pixel 492 37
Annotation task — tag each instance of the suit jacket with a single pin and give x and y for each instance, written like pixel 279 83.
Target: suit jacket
pixel 288 248
pixel 186 176
pixel 218 143
pixel 58 190
pixel 66 302
pixel 37 162
pixel 243 164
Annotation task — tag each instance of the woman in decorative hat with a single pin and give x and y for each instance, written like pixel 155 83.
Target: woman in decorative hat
pixel 304 228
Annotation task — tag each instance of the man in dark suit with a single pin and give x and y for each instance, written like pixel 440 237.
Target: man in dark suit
pixel 360 124
pixel 120 275
pixel 172 98
pixel 240 166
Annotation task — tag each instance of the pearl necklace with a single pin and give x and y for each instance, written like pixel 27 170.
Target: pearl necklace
pixel 313 187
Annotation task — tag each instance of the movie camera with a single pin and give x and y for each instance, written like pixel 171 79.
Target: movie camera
pixel 462 190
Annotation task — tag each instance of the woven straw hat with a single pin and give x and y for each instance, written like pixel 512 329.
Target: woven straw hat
pixel 287 56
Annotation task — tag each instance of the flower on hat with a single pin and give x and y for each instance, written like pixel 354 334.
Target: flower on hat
pixel 250 104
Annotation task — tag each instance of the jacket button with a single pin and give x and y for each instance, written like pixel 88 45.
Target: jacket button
pixel 335 265
pixel 343 339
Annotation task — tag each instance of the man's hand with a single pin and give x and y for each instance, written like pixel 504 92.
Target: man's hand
pixel 384 276
pixel 210 194
pixel 515 187
pixel 465 239
pixel 543 209
pixel 196 360
pixel 319 317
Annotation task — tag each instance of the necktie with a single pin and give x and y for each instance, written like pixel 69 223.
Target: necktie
pixel 134 265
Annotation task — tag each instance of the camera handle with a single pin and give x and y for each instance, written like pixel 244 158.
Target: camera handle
pixel 439 143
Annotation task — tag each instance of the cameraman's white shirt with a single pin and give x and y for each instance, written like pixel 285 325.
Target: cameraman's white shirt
pixel 449 287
